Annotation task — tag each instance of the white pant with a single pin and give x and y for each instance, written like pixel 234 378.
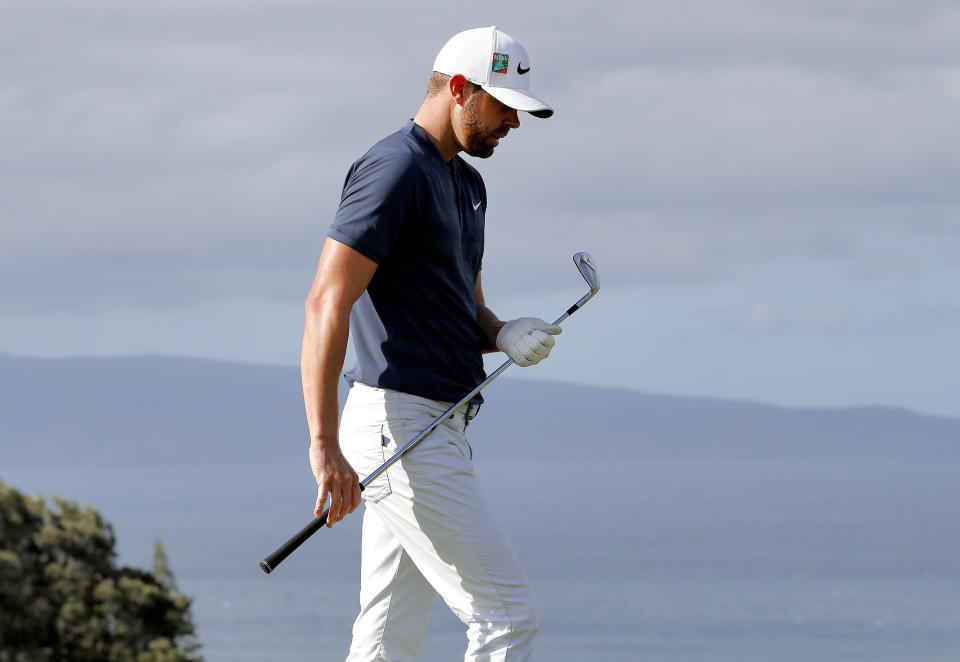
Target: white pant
pixel 426 530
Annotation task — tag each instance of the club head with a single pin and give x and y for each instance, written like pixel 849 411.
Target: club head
pixel 588 270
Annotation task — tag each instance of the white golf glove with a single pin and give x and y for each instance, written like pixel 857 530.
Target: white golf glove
pixel 527 340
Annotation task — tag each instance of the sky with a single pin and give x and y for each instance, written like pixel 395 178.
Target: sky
pixel 770 189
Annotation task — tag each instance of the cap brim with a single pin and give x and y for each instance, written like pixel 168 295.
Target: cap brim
pixel 519 100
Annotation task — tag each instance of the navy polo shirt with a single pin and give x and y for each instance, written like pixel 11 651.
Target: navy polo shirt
pixel 421 220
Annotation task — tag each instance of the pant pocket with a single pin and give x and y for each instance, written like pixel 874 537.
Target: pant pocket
pixel 365 450
pixel 463 447
pixel 380 488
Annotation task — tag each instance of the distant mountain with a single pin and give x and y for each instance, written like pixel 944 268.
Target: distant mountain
pixel 160 410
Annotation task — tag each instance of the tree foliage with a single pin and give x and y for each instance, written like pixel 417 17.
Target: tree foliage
pixel 161 567
pixel 64 599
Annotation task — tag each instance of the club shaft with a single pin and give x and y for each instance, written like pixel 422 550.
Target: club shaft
pixel 287 548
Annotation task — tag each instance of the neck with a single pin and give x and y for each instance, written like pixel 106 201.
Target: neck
pixel 434 117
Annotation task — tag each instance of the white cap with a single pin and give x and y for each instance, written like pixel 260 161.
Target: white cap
pixel 496 62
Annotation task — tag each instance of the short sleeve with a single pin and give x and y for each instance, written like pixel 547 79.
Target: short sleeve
pixel 379 193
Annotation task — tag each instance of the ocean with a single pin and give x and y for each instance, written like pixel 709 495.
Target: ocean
pixel 669 560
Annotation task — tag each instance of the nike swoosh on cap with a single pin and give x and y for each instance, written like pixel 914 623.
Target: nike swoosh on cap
pixel 521 70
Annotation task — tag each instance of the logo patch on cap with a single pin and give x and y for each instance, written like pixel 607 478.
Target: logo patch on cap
pixel 500 63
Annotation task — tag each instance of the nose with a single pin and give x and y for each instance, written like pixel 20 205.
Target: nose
pixel 513 119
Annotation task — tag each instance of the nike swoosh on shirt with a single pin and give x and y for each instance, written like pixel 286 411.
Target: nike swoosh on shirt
pixel 477 205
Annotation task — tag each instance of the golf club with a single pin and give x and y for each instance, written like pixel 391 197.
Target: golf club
pixel 589 272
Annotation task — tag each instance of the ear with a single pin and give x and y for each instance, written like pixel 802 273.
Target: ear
pixel 458 89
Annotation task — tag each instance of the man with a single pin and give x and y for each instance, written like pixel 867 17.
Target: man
pixel 401 269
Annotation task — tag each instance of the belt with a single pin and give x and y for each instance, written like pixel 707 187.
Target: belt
pixel 471 410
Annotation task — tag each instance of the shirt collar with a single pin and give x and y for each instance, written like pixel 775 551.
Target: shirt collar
pixel 416 131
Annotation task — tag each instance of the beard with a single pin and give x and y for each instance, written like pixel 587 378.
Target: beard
pixel 475 134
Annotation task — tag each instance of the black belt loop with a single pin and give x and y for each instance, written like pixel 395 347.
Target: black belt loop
pixel 471 410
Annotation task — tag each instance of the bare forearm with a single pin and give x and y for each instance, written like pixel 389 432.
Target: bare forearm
pixel 491 327
pixel 324 345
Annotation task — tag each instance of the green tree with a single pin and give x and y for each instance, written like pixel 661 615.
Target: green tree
pixel 161 567
pixel 64 599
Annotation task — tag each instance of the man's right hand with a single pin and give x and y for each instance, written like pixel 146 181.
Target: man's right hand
pixel 336 479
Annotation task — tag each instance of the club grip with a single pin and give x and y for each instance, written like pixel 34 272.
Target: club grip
pixel 287 548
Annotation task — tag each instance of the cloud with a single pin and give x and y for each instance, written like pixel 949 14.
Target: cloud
pixel 762 317
pixel 165 155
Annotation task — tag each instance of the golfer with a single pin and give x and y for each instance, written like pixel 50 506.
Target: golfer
pixel 400 268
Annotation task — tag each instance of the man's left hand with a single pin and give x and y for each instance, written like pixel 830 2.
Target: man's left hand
pixel 527 340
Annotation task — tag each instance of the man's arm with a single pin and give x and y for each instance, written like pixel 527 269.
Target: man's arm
pixel 342 276
pixel 527 340
pixel 488 320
